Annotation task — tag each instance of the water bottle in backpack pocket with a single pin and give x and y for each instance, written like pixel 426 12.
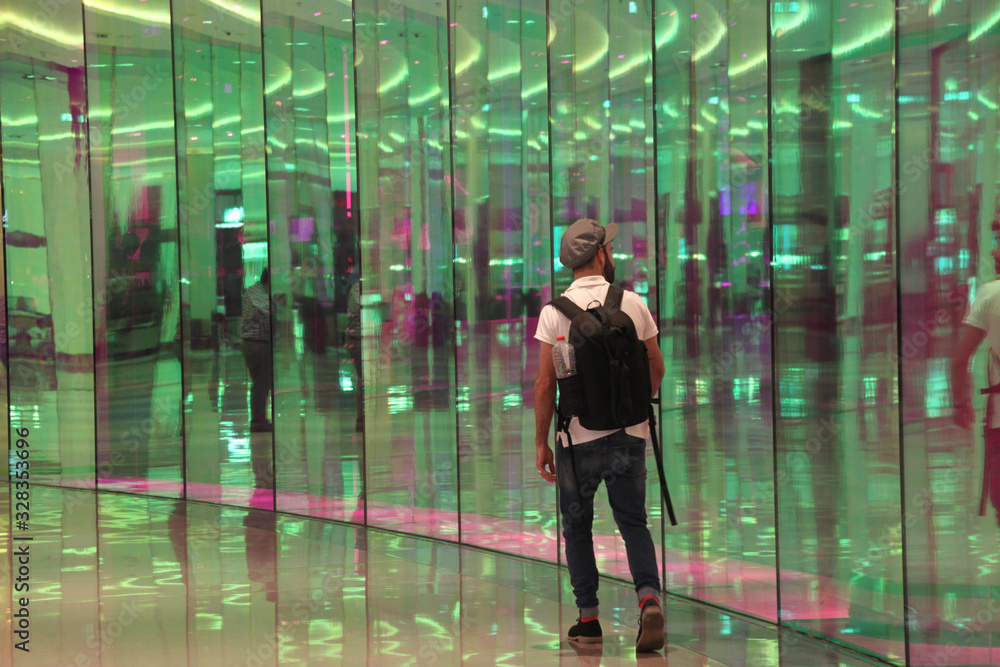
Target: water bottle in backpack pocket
pixel 571 399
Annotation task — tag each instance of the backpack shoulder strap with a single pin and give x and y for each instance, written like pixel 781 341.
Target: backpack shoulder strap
pixel 614 298
pixel 565 306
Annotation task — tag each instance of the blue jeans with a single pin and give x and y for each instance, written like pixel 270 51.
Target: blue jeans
pixel 620 461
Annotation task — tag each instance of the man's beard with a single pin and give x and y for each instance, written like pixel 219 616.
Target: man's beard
pixel 609 269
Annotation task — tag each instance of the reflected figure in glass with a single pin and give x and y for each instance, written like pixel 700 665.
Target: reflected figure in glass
pixel 352 344
pixel 255 335
pixel 981 323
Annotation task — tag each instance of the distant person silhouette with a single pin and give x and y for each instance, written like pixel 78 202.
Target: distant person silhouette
pixel 255 330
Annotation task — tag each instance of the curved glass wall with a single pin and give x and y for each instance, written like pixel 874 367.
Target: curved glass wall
pixel 808 199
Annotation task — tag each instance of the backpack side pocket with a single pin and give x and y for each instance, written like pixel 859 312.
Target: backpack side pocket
pixel 572 401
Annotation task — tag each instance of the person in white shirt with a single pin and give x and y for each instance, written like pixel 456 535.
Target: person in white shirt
pixel 617 457
pixel 982 322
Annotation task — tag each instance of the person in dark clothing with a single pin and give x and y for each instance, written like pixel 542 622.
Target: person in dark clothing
pixel 255 332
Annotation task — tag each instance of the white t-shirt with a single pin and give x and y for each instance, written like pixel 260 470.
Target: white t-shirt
pixel 985 315
pixel 585 292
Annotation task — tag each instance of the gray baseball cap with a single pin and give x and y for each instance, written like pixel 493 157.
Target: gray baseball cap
pixel 582 240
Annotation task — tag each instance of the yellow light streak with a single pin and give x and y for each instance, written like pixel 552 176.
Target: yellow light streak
pixel 469 47
pixel 599 40
pixel 46 31
pixel 985 26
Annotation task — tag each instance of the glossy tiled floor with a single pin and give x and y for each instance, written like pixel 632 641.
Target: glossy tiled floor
pixel 118 580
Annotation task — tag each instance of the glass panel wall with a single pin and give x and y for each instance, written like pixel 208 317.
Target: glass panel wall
pixel 834 267
pixel 223 240
pixel 49 330
pixel 807 201
pixel 407 251
pixel 713 195
pixel 137 306
pixel 313 228
pixel 949 208
pixel 5 371
pixel 502 271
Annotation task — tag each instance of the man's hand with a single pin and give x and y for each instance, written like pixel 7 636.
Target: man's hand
pixel 969 338
pixel 964 416
pixel 545 405
pixel 545 462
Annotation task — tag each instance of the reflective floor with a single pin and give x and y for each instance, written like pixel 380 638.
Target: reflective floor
pixel 828 585
pixel 123 580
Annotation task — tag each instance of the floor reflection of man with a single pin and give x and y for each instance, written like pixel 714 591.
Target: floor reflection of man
pixel 255 330
pixel 983 321
pixel 260 533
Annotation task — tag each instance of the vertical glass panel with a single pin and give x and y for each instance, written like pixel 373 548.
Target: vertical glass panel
pixel 676 269
pixel 713 148
pixel 601 101
pixel 407 252
pixel 44 114
pixel 949 206
pixel 223 237
pixel 4 342
pixel 838 492
pixel 739 254
pixel 502 271
pixel 312 188
pixel 134 194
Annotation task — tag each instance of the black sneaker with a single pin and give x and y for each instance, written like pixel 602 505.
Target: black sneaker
pixel 586 632
pixel 650 626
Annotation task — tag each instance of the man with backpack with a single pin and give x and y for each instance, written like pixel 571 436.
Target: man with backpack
pixel 620 366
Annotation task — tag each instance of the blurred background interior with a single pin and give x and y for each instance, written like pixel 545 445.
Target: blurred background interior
pixel 805 192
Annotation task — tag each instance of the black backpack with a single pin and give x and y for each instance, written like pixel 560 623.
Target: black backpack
pixel 611 388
